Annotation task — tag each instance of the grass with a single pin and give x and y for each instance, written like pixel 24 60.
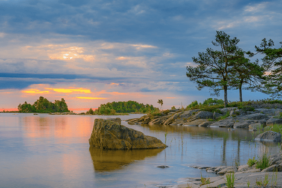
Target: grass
pixel 225 116
pixel 263 183
pixel 230 180
pixel 251 162
pixel 263 162
pixel 275 128
pixel 205 181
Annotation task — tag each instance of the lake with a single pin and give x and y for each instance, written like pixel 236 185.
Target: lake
pixel 45 151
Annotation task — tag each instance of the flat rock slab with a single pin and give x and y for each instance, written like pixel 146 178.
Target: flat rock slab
pixel 269 136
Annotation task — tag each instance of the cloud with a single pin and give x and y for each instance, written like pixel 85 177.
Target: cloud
pixel 35 91
pixel 70 90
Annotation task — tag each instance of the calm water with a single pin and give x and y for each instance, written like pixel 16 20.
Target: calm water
pixel 53 151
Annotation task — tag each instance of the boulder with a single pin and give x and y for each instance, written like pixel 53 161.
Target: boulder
pixel 269 136
pixel 116 120
pixel 273 121
pixel 229 169
pixel 243 124
pixel 204 115
pixel 110 135
pixel 196 122
pixel 255 126
pixel 228 122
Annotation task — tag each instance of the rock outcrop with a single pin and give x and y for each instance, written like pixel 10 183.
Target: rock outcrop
pixel 109 134
pixel 269 136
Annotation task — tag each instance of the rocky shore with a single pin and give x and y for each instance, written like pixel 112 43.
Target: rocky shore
pixel 231 117
pixel 243 174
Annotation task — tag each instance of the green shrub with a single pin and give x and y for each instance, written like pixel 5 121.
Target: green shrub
pixel 211 102
pixel 193 104
pixel 251 162
pixel 263 162
pixel 173 108
pixel 230 180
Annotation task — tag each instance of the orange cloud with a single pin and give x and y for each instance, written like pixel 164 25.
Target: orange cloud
pixel 70 90
pixel 34 91
pixel 91 98
pixel 114 84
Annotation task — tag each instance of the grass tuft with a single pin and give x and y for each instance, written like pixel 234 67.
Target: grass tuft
pixel 263 162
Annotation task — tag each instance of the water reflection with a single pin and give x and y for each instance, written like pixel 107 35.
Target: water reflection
pixel 108 160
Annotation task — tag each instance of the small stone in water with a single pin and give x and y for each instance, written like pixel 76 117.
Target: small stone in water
pixel 163 166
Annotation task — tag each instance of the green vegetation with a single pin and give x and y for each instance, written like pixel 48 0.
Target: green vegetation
pixel 225 68
pixel 275 128
pixel 119 108
pixel 204 181
pixel 211 102
pixel 251 162
pixel 263 183
pixel 42 105
pixel 263 162
pixel 230 180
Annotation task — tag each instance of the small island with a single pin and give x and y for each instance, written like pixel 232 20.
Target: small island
pixel 42 105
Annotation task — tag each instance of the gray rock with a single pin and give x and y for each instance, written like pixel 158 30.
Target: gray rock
pixel 204 115
pixel 256 116
pixel 244 168
pixel 269 136
pixel 228 122
pixel 273 121
pixel 196 122
pixel 272 168
pixel 269 112
pixel 219 168
pixel 277 112
pixel 206 124
pixel 226 170
pixel 217 115
pixel 243 124
pixel 172 118
pixel 189 113
pixel 228 109
pixel 255 126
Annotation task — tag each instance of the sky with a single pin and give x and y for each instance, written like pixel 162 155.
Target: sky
pixel 91 52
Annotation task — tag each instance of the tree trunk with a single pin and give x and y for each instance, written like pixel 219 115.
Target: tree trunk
pixel 240 91
pixel 225 96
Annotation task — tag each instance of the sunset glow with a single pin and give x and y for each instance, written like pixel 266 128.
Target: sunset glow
pixel 67 90
pixel 34 91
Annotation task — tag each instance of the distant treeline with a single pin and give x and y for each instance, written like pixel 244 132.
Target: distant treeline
pixel 123 107
pixel 42 105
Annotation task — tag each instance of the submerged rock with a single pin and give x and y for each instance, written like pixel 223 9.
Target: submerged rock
pixel 269 136
pixel 110 135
